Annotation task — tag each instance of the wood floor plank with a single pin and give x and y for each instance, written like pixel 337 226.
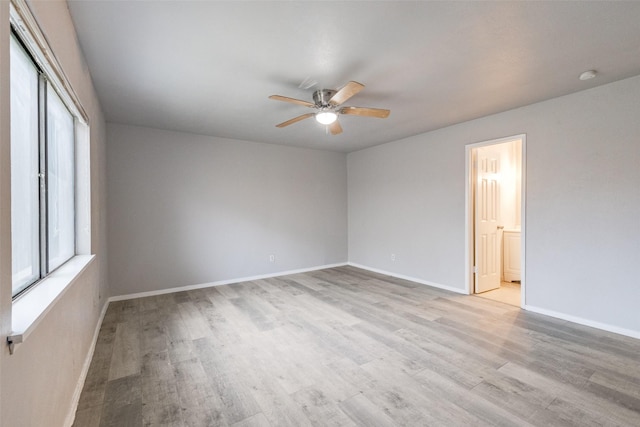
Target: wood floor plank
pixel 159 385
pixel 307 281
pixel 573 333
pixel 613 394
pixel 254 313
pixel 350 372
pixel 591 409
pixel 162 415
pixel 122 402
pixel 364 412
pixel 285 286
pixel 89 417
pixel 276 403
pixel 540 361
pixel 95 383
pixel 366 313
pixel 321 410
pixel 148 303
pixel 122 311
pixel 153 337
pixel 347 347
pixel 258 420
pixel 123 416
pixel 324 308
pixel 199 403
pixel 400 396
pixel 194 323
pixel 337 343
pixel 521 399
pixel 493 413
pixel 224 370
pixel 125 360
pixel 278 363
pixel 614 381
pixel 618 365
pixel 180 345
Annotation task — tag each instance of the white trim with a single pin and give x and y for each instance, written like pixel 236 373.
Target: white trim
pixel 412 279
pixel 468 217
pixel 468 214
pixel 27 26
pixel 83 188
pixel 85 370
pixel 221 282
pixel 29 309
pixel 586 322
pixel 523 220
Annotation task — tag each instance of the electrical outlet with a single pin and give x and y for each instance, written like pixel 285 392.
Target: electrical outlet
pixel 393 257
pixel 272 258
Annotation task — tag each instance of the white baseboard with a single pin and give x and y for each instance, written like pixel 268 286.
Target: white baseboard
pixel 222 282
pixel 85 369
pixel 586 322
pixel 581 321
pixel 413 279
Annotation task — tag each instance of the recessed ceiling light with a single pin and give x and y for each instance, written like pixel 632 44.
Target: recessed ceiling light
pixel 588 75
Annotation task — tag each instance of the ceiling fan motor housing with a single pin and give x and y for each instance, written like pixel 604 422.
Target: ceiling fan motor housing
pixel 328 105
pixel 321 97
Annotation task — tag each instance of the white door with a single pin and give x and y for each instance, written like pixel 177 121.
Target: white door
pixel 487 219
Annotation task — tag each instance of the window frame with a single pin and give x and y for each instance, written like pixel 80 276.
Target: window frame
pixel 51 182
pixel 47 87
pixel 27 228
pixel 31 308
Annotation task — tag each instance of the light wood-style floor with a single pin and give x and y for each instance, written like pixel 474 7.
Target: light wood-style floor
pixel 345 347
pixel 508 293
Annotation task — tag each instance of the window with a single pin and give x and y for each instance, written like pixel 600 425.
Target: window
pixel 43 230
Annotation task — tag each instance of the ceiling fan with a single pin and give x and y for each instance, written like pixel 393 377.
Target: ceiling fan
pixel 328 105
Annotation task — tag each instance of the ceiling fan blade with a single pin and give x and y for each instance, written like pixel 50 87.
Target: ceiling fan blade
pixel 295 120
pixel 365 112
pixel 292 100
pixel 346 92
pixel 335 128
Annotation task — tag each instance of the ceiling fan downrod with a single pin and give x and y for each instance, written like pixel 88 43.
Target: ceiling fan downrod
pixel 322 97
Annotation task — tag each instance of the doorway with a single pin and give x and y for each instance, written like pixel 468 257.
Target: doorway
pixel 495 219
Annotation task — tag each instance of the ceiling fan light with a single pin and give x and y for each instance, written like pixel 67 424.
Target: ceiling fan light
pixel 326 117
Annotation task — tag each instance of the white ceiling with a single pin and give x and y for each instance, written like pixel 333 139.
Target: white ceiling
pixel 208 67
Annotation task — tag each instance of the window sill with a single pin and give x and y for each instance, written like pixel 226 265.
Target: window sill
pixel 31 308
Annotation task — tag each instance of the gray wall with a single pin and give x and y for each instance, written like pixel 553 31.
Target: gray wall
pixel 39 382
pixel 186 209
pixel 582 203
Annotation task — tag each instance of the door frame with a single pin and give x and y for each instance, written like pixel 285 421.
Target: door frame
pixel 469 212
